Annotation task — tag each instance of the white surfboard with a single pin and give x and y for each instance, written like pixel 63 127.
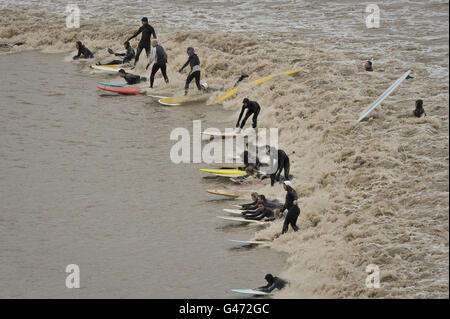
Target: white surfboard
pixel 242 220
pixel 383 96
pixel 229 175
pixel 233 211
pixel 251 292
pixel 251 242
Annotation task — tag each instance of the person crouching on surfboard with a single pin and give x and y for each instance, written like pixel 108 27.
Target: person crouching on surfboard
pixel 194 62
pixel 272 284
pixel 83 52
pixel 128 55
pixel 291 205
pixel 160 57
pixel 282 163
pixel 252 108
pixel 131 78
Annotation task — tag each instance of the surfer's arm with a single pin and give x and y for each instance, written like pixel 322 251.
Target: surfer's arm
pixel 136 34
pixel 185 65
pixel 240 115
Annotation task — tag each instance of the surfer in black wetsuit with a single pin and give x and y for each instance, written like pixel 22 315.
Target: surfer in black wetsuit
pixel 260 213
pixel 147 32
pixel 127 56
pixel 131 78
pixel 273 204
pixel 252 108
pixel 419 111
pixel 83 52
pixel 368 66
pixel 194 63
pixel 292 207
pixel 255 201
pixel 282 163
pixel 159 56
pixel 243 76
pixel 272 283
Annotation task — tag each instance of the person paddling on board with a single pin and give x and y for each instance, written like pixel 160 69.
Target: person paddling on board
pixel 131 78
pixel 273 204
pixel 127 56
pixel 255 201
pixel 283 163
pixel 252 107
pixel 194 63
pixel 292 207
pixel 272 284
pixel 419 111
pixel 147 32
pixel 260 213
pixel 83 52
pixel 159 56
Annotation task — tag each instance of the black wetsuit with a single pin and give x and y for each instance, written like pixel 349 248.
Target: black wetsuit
pixel 419 111
pixel 128 56
pixel 283 163
pixel 247 206
pixel 277 283
pixel 133 79
pixel 258 215
pixel 252 108
pixel 271 204
pixel 194 63
pixel 83 53
pixel 254 160
pixel 147 32
pixel 240 79
pixel 160 63
pixel 293 210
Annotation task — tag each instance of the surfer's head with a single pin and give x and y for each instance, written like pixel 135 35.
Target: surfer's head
pixel 269 278
pixel 368 66
pixel 245 101
pixel 419 104
pixel 261 198
pixel 144 20
pixel 78 44
pixel 154 42
pixel 122 73
pixel 261 206
pixel 254 196
pixel 286 184
pixel 190 50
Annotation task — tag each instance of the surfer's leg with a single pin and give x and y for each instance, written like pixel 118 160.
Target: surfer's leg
pixel 164 72
pixel 138 53
pixel 147 51
pixel 285 225
pixel 197 80
pixel 255 118
pixel 287 167
pixel 155 69
pixel 188 81
pixel 247 115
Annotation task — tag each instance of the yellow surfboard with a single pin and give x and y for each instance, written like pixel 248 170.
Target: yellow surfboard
pixel 222 192
pixel 260 81
pixel 224 171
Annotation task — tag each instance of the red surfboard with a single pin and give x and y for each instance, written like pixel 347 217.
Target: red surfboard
pixel 121 90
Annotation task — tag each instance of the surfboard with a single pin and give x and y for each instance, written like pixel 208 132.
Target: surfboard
pixel 251 292
pixel 121 90
pixel 242 220
pixel 179 100
pixel 251 242
pixel 383 96
pixel 112 84
pixel 232 92
pixel 229 175
pixel 224 171
pixel 233 211
pixel 111 69
pixel 222 193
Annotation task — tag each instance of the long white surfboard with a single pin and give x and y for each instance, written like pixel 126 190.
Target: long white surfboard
pixel 251 292
pixel 233 211
pixel 242 220
pixel 383 96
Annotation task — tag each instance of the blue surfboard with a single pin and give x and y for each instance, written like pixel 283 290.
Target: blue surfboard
pixel 112 84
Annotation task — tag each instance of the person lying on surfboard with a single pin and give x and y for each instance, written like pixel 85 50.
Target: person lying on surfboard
pixel 83 52
pixel 272 284
pixel 147 32
pixel 252 107
pixel 159 56
pixel 260 213
pixel 255 201
pixel 273 204
pixel 131 78
pixel 194 63
pixel 128 55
